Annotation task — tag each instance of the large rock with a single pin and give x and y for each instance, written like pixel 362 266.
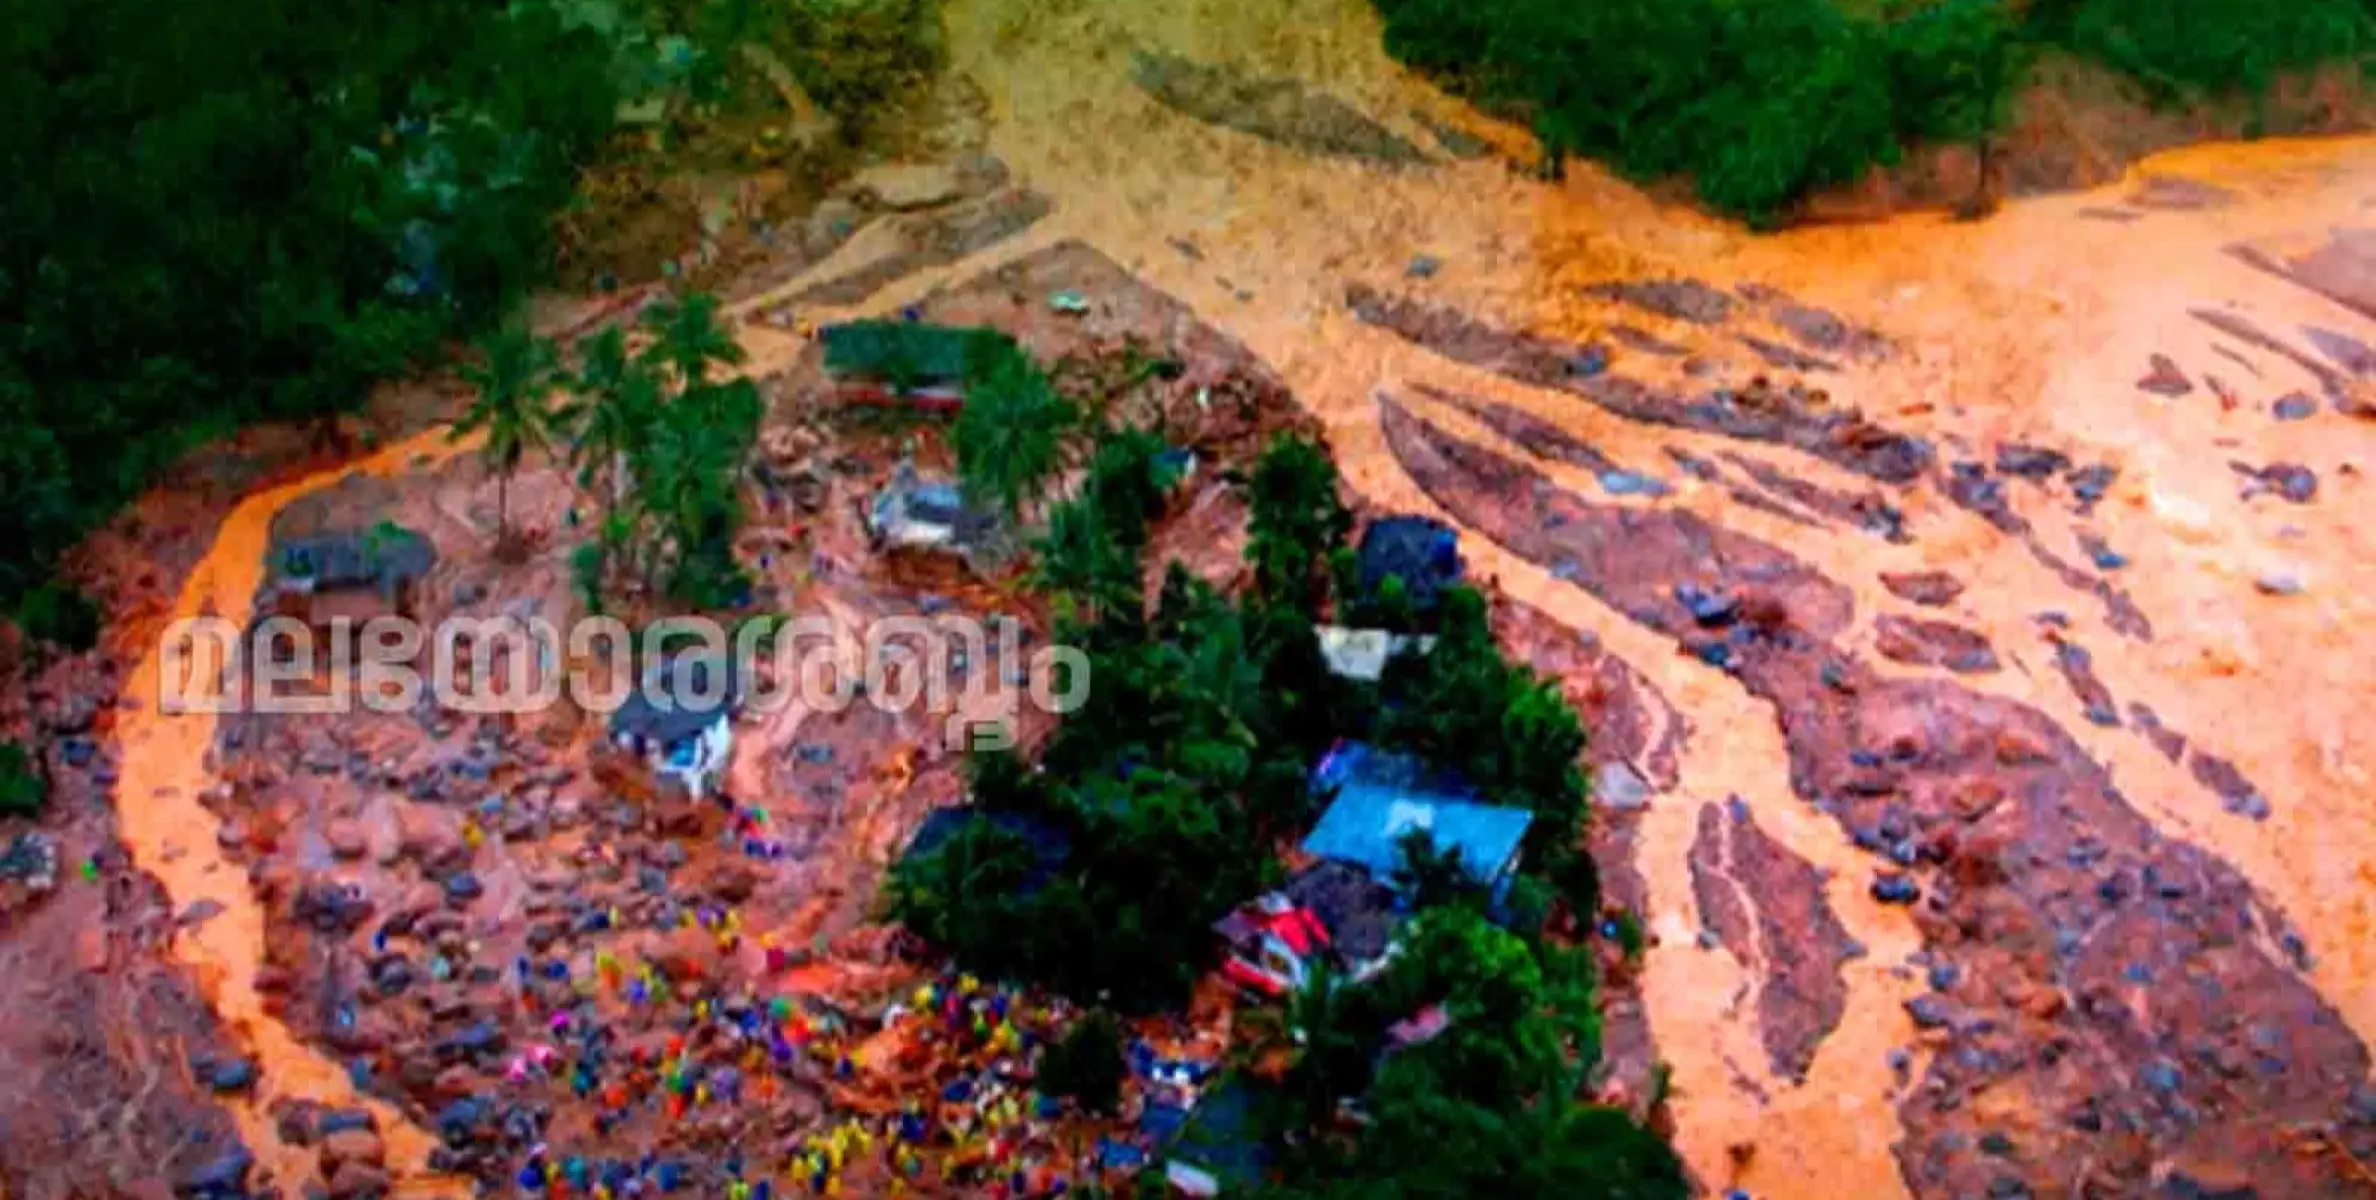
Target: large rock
pixel 426 835
pixel 346 838
pixel 357 1181
pixel 902 187
pixel 687 954
pixel 352 1146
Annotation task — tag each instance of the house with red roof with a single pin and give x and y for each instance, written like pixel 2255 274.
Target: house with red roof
pixel 1330 912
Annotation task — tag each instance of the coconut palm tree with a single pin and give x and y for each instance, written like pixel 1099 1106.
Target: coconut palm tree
pixel 688 340
pixel 616 400
pixel 1012 434
pixel 514 376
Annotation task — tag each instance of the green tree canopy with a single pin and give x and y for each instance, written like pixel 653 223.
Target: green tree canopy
pixel 1011 434
pixel 513 376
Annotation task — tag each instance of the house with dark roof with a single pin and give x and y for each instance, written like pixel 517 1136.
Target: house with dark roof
pixel 1382 798
pixel 1329 912
pixel 1421 551
pixel 1219 1145
pixel 357 573
pixel 908 362
pixel 680 723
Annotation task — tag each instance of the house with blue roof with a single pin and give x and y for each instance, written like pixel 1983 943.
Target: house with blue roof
pixel 1383 797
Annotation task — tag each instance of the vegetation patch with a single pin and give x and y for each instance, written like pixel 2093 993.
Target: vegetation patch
pixel 1098 870
pixel 230 212
pixel 1759 102
pixel 22 791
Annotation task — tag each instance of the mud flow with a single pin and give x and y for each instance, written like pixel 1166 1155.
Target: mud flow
pixel 1966 614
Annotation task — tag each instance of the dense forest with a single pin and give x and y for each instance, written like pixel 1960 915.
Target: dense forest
pixel 1758 102
pixel 225 212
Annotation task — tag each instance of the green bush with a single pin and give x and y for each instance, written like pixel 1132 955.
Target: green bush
pixel 22 792
pixel 2196 47
pixel 60 616
pixel 1952 65
pixel 1086 1066
pixel 1012 434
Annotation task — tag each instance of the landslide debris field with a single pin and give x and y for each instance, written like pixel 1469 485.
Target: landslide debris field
pixel 1963 615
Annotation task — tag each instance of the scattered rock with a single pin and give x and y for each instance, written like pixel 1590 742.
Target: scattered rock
pixel 2090 484
pixel 2279 583
pixel 339 1119
pixel 221 1178
pixel 346 838
pixel 2295 406
pixel 2101 553
pixel 2292 481
pixel 2165 379
pixel 1931 1011
pixel 2034 463
pixel 1932 589
pixel 357 1181
pixel 1616 787
pixel 462 887
pixel 1895 887
pixel 199 912
pixel 1707 607
pixel 1631 483
pixel 1423 266
pixel 236 1075
pixel 1933 644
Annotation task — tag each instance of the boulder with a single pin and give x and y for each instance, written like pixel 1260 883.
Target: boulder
pixel 346 838
pixel 352 1146
pixel 903 187
pixel 358 1181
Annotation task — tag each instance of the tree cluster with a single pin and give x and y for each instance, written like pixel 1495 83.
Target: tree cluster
pixel 659 437
pixel 1485 1107
pixel 1169 789
pixel 1192 759
pixel 1759 102
pixel 1097 870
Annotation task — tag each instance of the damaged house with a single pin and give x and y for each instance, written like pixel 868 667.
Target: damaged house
pixel 915 513
pixel 1423 555
pixel 1329 912
pixel 351 576
pixel 680 723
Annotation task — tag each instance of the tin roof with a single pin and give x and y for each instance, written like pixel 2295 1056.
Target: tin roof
pixel 1382 797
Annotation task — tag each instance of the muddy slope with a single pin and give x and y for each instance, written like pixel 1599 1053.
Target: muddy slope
pixel 2109 1005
